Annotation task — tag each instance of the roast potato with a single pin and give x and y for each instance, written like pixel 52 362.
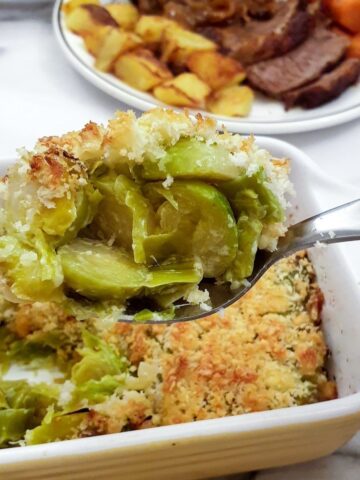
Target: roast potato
pixel 151 28
pixel 94 40
pixel 354 48
pixel 346 13
pixel 87 18
pixel 185 90
pixel 125 14
pixel 141 69
pixel 72 4
pixel 234 101
pixel 178 44
pixel 216 70
pixel 115 43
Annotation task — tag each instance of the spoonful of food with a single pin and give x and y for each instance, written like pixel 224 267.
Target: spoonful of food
pixel 168 229
pixel 340 224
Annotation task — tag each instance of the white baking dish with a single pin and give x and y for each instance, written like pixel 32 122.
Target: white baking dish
pixel 253 441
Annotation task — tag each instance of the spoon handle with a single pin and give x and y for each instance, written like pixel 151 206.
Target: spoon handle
pixel 340 224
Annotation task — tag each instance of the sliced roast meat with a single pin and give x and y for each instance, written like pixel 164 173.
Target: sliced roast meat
pixel 260 40
pixel 326 88
pixel 320 52
pixel 208 12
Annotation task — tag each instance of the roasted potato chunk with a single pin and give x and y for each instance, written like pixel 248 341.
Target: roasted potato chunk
pixel 115 43
pixel 94 40
pixel 151 28
pixel 234 101
pixel 178 44
pixel 141 69
pixel 125 14
pixel 216 70
pixel 354 48
pixel 346 13
pixel 72 4
pixel 185 90
pixel 87 18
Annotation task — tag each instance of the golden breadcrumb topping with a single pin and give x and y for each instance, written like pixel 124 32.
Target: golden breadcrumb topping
pixel 267 351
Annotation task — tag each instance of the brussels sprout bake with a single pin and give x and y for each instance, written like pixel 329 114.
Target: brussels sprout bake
pixel 142 208
pixel 266 351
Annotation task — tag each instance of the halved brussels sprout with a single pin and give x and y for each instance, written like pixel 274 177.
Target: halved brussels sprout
pixel 124 215
pixel 98 271
pixel 198 221
pixel 190 158
pixel 32 269
pixel 56 221
pixel 249 231
pixel 252 196
pixel 86 205
pixel 48 191
pixel 173 273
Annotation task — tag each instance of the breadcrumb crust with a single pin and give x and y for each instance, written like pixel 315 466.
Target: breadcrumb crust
pixel 267 351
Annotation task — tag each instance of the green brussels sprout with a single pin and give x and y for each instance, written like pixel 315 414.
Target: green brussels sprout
pixel 190 158
pixel 86 206
pixel 48 191
pixel 23 406
pixel 32 269
pixel 95 391
pixel 95 271
pixel 125 215
pixel 252 196
pixel 13 424
pixel 55 427
pixel 99 359
pixel 98 271
pixel 173 273
pixel 99 372
pixel 249 231
pixel 198 221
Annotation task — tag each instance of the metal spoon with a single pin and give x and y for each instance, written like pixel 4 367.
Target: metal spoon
pixel 340 224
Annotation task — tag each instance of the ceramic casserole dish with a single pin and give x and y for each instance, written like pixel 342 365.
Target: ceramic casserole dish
pixel 252 441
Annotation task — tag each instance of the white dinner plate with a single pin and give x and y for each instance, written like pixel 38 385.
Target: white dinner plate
pixel 267 116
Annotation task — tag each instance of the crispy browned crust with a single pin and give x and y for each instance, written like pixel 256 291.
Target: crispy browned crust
pixel 265 352
pixel 54 167
pixel 258 355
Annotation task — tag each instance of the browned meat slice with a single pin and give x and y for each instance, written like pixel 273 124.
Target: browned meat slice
pixel 326 88
pixel 306 63
pixel 260 40
pixel 200 12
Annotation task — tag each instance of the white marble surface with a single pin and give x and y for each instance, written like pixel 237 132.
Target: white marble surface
pixel 40 94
